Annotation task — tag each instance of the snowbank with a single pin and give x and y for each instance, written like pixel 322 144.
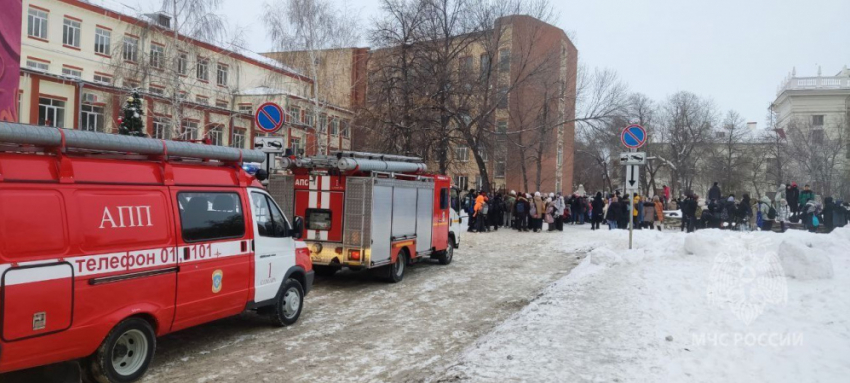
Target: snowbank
pixel 713 306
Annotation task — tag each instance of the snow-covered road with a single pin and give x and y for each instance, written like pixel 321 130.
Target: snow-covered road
pixel 707 307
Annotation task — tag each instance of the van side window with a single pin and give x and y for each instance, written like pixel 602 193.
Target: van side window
pixel 270 221
pixel 444 198
pixel 208 216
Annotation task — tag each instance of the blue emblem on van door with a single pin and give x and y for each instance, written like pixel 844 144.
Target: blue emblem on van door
pixel 217 276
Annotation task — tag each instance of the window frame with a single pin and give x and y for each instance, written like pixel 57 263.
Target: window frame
pixel 37 23
pixel 102 41
pixel 130 49
pixel 157 56
pixel 238 200
pixel 71 30
pixel 465 156
pixel 182 63
pixel 308 213
pixel 238 134
pixel 97 115
pixel 272 207
pixel 161 122
pixel 58 122
pixel 202 66
pixel 221 74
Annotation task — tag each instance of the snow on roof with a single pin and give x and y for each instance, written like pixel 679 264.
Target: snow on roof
pixel 128 8
pixel 265 91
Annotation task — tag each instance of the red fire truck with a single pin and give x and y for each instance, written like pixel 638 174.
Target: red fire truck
pixel 107 242
pixel 369 211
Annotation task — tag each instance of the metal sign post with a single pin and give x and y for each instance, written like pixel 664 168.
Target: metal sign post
pixel 633 137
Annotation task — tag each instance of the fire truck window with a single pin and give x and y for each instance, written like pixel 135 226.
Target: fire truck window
pixel 211 216
pixel 318 219
pixel 444 198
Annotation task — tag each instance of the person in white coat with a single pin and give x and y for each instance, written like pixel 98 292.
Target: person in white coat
pixel 560 206
pixel 783 212
pixel 780 193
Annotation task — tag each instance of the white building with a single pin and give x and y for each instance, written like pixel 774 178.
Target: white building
pixel 822 102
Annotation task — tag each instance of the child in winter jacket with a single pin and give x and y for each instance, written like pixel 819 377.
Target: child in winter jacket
pixel 783 213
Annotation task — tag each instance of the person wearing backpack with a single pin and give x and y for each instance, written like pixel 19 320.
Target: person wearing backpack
pixel 480 213
pixel 768 214
pixel 521 212
pixel 537 210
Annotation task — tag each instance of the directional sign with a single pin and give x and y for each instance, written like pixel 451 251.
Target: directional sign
pixel 633 136
pixel 269 144
pixel 633 158
pixel 632 178
pixel 269 117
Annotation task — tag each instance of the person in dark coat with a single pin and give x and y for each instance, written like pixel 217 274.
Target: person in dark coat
pixel 521 209
pixel 806 195
pixel 596 210
pixel 495 213
pixel 689 213
pixel 613 214
pixel 828 218
pixel 625 214
pixel 714 193
pixel 792 195
pixel 745 212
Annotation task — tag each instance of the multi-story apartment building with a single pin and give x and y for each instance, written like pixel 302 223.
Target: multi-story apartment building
pixel 80 61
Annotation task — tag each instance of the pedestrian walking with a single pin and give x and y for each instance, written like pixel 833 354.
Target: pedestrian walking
pixel 613 213
pixel 659 211
pixel 783 213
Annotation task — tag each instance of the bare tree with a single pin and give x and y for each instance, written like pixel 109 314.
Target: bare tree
pixel 819 154
pixel 313 27
pixel 686 127
pixel 727 160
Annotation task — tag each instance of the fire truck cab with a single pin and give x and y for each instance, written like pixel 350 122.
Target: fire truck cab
pixel 107 242
pixel 369 211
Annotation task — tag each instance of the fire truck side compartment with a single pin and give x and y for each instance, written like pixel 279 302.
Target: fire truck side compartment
pixel 283 192
pixel 358 212
pixel 424 214
pixel 382 221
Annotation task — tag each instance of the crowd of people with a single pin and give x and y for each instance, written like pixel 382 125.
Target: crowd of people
pixel 527 212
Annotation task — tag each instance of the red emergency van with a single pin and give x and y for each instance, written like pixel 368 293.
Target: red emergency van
pixel 107 242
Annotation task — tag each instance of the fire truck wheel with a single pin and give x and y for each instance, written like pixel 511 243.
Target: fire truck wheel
pixel 446 257
pixel 125 354
pixel 289 304
pixel 395 272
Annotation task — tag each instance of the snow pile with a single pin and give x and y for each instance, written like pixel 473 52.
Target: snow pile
pixel 712 306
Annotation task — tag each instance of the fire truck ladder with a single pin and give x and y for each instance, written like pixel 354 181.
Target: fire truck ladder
pixel 22 134
pixel 358 161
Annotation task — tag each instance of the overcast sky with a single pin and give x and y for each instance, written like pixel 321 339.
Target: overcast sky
pixel 734 51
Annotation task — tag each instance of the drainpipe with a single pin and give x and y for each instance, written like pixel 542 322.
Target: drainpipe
pixel 80 85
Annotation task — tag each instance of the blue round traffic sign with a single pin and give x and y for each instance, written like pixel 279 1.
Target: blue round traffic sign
pixel 269 117
pixel 633 136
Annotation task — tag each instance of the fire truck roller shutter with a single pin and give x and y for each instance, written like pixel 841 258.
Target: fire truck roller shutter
pixel 404 212
pixel 45 136
pixel 382 220
pixel 424 216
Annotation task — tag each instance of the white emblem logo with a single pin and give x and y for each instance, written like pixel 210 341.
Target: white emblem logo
pixel 747 280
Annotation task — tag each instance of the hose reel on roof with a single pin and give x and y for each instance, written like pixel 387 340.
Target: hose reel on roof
pixel 22 134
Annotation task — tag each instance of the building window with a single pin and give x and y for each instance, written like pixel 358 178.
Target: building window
pixel 157 56
pixel 334 127
pixel 202 100
pixel 102 79
pixel 160 128
pixel 102 40
pixel 461 182
pixel 500 168
pixel 308 119
pixel 484 65
pixel 346 128
pixel 503 97
pixel 323 123
pixel 483 153
pixel 37 23
pixel 190 130
pixel 466 64
pixel 156 90
pixel 71 72
pixel 221 104
pixel 246 108
pixel 221 75
pixel 130 48
pixel 502 128
pixel 294 115
pixel 202 71
pixel 92 117
pixel 71 33
pixel 817 136
pixel 51 112
pixel 238 140
pixel 504 60
pixel 182 63
pixel 296 146
pixel 214 135
pixel 461 153
pixel 38 65
pixel 817 120
pixel 131 84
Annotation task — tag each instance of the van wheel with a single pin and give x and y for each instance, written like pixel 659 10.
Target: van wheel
pixel 287 309
pixel 446 256
pixel 395 272
pixel 125 354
